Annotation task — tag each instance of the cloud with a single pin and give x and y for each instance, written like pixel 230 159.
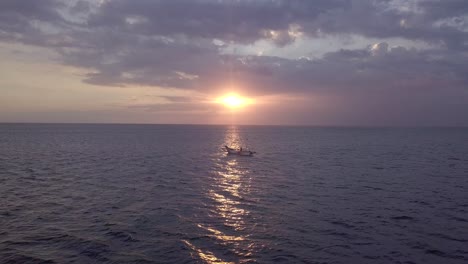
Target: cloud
pixel 180 44
pixel 178 99
pixel 242 21
pixel 245 21
pixel 81 7
pixel 28 21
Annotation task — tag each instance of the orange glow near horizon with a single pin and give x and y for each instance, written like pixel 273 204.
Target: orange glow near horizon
pixel 234 101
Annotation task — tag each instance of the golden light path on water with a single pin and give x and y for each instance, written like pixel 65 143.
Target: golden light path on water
pixel 206 256
pixel 231 183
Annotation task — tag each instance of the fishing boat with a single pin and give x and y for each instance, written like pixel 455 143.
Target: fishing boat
pixel 239 152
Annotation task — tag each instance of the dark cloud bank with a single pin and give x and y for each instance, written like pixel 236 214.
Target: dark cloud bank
pixel 179 44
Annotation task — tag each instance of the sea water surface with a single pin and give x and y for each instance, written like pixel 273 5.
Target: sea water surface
pixel 168 194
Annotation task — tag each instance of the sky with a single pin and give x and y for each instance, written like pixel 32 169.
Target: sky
pixel 293 62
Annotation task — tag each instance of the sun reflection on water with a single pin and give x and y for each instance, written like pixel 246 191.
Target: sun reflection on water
pixel 204 255
pixel 233 138
pixel 228 213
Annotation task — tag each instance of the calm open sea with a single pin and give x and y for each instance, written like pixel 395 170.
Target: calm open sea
pixel 168 194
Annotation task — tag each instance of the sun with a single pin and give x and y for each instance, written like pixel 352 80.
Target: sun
pixel 234 101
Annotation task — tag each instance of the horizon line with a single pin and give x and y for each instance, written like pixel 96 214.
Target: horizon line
pixel 202 124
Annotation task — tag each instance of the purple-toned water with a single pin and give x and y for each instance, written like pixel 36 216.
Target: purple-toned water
pixel 168 194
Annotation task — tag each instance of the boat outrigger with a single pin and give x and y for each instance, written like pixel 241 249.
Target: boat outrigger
pixel 239 152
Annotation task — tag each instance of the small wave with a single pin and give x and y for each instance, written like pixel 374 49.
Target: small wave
pixel 123 236
pixel 443 254
pixel 420 202
pixel 448 237
pixel 403 217
pixel 12 258
pixel 287 258
pixel 341 234
pixel 459 219
pixel 6 213
pixel 87 247
pixel 18 243
pixel 343 224
pixel 373 188
pixel 371 257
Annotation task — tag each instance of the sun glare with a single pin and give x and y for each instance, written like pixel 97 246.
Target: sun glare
pixel 234 101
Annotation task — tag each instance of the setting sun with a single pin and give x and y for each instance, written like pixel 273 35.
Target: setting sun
pixel 234 101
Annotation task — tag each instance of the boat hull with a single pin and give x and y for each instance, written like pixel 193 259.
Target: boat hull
pixel 238 152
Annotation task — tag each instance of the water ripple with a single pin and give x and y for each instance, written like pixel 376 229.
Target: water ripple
pixel 167 194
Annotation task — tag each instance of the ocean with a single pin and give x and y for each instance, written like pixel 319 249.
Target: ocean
pixel 85 193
